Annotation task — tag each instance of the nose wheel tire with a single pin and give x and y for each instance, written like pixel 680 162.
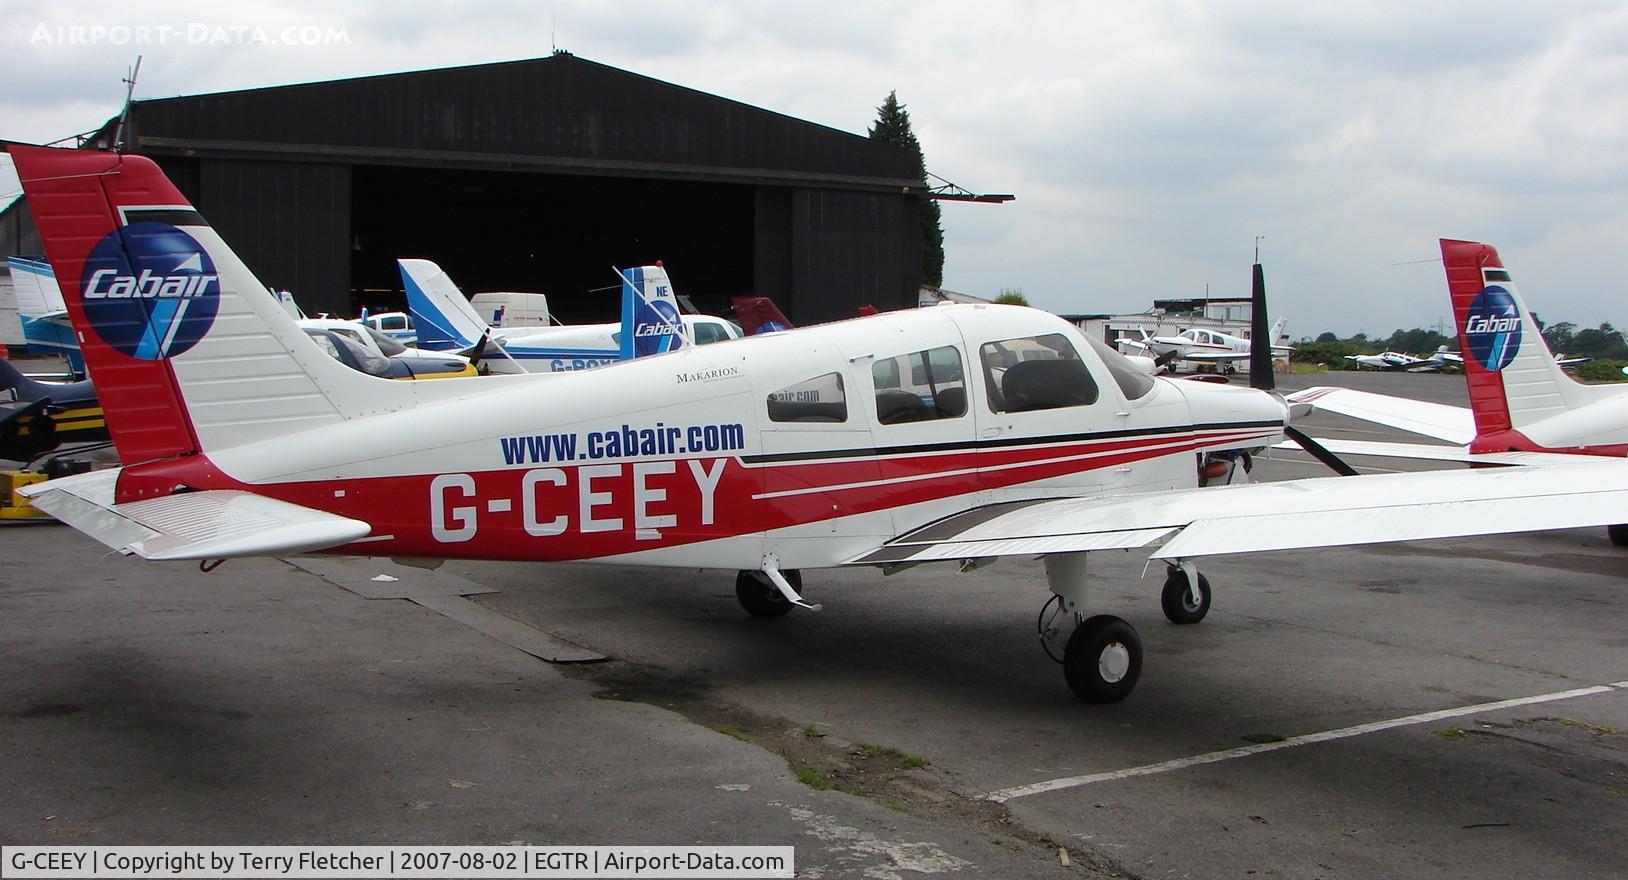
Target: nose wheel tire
pixel 1618 535
pixel 761 598
pixel 1103 660
pixel 1180 606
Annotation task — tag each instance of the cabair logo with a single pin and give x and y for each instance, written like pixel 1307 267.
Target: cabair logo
pixel 666 321
pixel 1492 328
pixel 151 290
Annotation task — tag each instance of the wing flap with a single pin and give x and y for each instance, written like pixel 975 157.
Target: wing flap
pixel 215 524
pixel 1288 515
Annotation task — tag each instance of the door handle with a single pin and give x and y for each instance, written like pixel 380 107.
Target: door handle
pixel 992 432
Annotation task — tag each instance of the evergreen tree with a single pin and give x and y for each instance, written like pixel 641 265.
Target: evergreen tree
pixel 893 126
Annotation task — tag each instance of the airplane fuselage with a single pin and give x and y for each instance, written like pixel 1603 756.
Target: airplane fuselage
pixel 815 445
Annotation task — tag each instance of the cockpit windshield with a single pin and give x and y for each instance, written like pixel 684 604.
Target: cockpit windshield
pixel 1133 380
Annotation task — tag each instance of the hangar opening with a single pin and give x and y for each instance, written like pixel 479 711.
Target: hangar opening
pixel 557 234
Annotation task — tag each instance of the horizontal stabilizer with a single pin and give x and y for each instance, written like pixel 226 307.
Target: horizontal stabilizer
pixel 215 524
pixel 1289 515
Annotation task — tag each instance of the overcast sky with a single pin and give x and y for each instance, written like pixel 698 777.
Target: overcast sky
pixel 1148 143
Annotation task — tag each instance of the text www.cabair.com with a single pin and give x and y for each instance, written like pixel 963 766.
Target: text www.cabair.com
pixel 624 442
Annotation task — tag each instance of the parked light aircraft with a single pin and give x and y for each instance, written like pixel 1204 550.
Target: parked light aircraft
pixel 1407 363
pixel 1523 409
pixel 651 323
pixel 962 433
pixel 41 311
pixel 1200 345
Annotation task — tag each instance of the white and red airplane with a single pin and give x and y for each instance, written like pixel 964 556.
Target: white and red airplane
pixel 1524 409
pixel 1201 345
pixel 962 433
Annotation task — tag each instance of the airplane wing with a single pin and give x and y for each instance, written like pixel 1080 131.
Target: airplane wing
pixel 1289 515
pixel 213 524
pixel 1454 424
pixel 1215 356
pixel 1425 452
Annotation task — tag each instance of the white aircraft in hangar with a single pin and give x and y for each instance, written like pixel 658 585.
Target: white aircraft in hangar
pixel 958 434
pixel 1524 410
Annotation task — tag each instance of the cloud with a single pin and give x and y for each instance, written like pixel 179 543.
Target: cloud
pixel 1148 143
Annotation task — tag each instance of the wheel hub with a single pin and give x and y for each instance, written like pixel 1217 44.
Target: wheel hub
pixel 1113 662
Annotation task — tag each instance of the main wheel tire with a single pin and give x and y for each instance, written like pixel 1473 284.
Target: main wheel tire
pixel 1618 535
pixel 760 598
pixel 1178 600
pixel 1103 660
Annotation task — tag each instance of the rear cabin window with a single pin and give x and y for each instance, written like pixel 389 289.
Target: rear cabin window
pixel 1034 373
pixel 707 333
pixel 820 399
pixel 920 386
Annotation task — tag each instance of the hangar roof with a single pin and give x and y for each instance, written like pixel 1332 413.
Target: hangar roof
pixel 557 114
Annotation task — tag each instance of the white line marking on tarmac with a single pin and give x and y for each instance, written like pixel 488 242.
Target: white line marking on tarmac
pixel 1033 788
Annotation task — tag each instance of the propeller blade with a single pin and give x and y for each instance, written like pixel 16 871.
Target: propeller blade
pixel 1260 336
pixel 1319 451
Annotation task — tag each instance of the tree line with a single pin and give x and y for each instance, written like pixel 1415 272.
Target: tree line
pixel 1605 344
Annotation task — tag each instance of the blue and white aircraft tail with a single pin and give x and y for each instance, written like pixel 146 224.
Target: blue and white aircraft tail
pixel 650 318
pixel 42 312
pixel 441 313
pixel 650 324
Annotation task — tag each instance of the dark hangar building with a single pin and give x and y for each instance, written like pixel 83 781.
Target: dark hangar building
pixel 534 175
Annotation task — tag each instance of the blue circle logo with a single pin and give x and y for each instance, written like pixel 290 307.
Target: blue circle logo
pixel 151 291
pixel 667 314
pixel 1492 328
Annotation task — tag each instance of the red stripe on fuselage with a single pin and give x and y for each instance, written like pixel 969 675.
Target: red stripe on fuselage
pixel 606 509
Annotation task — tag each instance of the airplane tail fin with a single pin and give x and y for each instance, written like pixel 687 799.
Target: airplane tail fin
pixel 442 315
pixel 190 352
pixel 650 319
pixel 41 311
pixel 1513 379
pixel 1277 331
pixel 759 314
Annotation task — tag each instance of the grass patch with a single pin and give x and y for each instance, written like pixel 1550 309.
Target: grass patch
pixel 731 732
pixel 888 753
pixel 1452 734
pixel 810 777
pixel 1596 729
pixel 811 732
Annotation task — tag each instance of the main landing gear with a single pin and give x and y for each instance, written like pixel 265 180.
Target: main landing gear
pixel 770 591
pixel 1102 658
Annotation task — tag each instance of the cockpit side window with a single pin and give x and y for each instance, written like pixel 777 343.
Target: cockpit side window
pixel 1034 373
pixel 920 386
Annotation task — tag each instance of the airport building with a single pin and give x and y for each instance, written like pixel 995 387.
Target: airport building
pixel 534 175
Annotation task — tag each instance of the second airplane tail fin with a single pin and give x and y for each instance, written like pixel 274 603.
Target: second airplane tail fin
pixel 759 314
pixel 442 315
pixel 1513 379
pixel 650 317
